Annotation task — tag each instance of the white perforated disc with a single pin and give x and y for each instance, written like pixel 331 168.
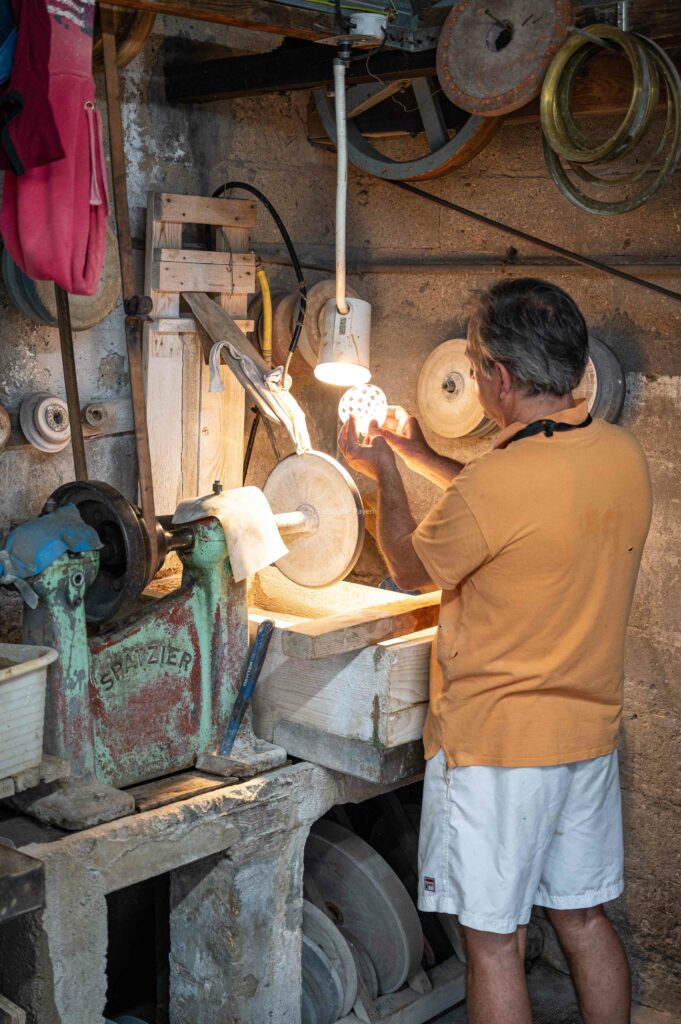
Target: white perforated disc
pixel 315 481
pixel 365 402
pixel 447 399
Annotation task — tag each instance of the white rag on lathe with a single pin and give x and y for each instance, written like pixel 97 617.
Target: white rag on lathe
pixel 272 388
pixel 253 540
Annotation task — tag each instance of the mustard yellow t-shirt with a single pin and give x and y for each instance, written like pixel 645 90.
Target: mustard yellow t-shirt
pixel 536 547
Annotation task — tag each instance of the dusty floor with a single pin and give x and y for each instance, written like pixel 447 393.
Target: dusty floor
pixel 553 1002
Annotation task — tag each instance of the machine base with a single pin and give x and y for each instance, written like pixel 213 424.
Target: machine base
pixel 75 805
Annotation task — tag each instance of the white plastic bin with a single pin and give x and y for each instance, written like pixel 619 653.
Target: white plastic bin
pixel 23 674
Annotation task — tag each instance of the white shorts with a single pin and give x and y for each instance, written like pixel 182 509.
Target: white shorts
pixel 496 841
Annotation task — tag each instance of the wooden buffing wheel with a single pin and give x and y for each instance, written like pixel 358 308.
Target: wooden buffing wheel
pixel 317 485
pixel 447 399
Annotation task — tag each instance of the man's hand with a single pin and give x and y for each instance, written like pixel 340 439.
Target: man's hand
pixel 404 435
pixel 371 458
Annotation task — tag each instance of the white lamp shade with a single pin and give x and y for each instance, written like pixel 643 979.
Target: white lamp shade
pixel 343 357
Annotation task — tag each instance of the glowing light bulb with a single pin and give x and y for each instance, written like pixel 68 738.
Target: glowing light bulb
pixel 366 403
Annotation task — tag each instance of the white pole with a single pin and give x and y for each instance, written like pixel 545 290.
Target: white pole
pixel 341 182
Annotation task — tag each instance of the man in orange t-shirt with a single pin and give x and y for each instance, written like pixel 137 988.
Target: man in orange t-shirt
pixel 536 546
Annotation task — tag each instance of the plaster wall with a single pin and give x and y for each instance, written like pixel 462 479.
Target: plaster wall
pixel 263 141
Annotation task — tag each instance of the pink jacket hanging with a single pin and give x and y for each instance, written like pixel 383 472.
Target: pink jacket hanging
pixel 53 218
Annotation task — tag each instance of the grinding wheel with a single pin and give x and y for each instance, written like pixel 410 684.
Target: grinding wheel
pixel 447 398
pixel 325 934
pixel 321 982
pixel 316 484
pixel 603 385
pixel 492 56
pixel 363 892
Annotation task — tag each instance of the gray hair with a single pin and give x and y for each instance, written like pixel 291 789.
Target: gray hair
pixel 535 330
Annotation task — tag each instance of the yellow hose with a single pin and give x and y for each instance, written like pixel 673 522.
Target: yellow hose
pixel 264 286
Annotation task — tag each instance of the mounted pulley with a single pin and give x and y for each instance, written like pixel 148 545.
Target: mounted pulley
pixel 492 57
pixel 446 136
pixel 447 399
pixel 125 565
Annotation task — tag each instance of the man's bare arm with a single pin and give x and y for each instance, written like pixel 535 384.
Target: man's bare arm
pixel 403 434
pixel 395 528
pixel 395 524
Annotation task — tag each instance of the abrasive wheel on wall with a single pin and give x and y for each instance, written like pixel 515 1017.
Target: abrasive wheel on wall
pixel 603 384
pixel 37 301
pixel 447 398
pixel 365 895
pixel 492 57
pixel 439 136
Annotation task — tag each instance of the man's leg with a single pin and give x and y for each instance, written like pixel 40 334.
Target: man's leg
pixel 496 990
pixel 597 962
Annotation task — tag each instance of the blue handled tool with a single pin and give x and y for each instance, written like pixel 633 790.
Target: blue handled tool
pixel 256 658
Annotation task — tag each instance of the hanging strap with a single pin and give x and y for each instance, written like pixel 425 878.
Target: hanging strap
pixel 548 428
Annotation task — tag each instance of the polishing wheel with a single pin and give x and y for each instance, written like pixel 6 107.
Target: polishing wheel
pixel 447 397
pixel 320 516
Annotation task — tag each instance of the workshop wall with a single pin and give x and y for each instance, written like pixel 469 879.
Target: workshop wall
pixel 263 141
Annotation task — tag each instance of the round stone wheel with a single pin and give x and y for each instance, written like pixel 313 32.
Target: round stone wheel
pixel 447 399
pixel 316 483
pixel 603 384
pixel 491 58
pixel 322 931
pixel 321 983
pixel 363 892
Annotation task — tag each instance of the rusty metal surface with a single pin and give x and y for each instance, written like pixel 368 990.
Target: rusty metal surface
pixel 144 698
pixel 68 360
pixel 492 54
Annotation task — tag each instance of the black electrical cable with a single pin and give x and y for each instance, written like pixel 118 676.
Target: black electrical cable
pixel 291 251
pixel 574 257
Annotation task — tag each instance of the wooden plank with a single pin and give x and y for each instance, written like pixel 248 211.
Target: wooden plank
pixel 10 1013
pixel 187 325
pixel 220 326
pixel 163 375
pixel 167 427
pixel 339 634
pixel 192 381
pixel 181 209
pixel 204 277
pixel 169 790
pixel 221 259
pixel 261 15
pixel 377 695
pixel 273 592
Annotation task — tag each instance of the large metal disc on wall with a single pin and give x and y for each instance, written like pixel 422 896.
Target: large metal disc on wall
pixel 492 54
pixel 447 399
pixel 366 895
pixel 315 483
pixel 603 384
pixel 133 28
pixel 451 137
pixel 36 299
